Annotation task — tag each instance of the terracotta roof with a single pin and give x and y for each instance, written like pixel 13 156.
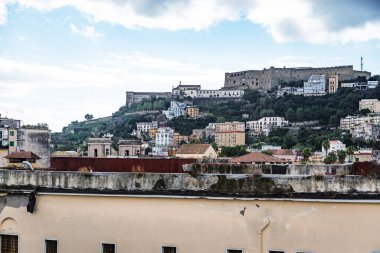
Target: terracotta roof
pixel 257 157
pixel 281 151
pixel 193 148
pixel 22 155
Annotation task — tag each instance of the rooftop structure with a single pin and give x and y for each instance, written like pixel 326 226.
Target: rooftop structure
pixel 258 158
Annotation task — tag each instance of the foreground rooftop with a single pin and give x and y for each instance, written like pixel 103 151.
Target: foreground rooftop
pixel 196 185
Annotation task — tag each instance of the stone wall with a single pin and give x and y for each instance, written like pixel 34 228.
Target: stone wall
pixel 185 184
pixel 269 78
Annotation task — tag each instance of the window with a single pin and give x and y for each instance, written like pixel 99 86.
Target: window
pixel 51 246
pixel 9 244
pixel 12 143
pixel 108 248
pixel 12 133
pixel 276 251
pixel 234 251
pixel 166 249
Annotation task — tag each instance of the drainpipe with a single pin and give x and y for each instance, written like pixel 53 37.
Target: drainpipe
pixel 260 233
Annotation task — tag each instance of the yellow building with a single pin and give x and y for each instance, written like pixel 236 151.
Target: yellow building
pixel 177 138
pixel 78 212
pixel 152 133
pixel 333 84
pixel 192 111
pixel 230 134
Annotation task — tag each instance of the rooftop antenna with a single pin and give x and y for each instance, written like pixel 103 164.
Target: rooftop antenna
pixel 361 63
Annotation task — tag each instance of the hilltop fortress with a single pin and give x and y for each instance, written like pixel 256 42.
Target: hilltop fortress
pixel 267 79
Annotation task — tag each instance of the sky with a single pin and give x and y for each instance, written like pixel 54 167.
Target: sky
pixel 62 59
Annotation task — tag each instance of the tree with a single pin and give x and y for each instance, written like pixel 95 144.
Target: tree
pixel 306 153
pixel 233 151
pixel 341 155
pixel 88 116
pixel 350 152
pixel 331 158
pixel 326 145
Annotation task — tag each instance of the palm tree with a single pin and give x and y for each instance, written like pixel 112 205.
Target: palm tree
pixel 350 152
pixel 341 155
pixel 306 153
pixel 326 145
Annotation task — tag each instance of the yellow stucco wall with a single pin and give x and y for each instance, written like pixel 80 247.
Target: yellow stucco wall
pixel 82 223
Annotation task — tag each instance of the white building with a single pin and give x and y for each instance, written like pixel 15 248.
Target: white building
pixel 349 122
pixel 289 90
pixel 315 86
pixel 335 146
pixel 371 104
pixel 164 137
pixel 264 125
pixel 176 109
pixel 146 126
pixel 220 93
pixel 372 84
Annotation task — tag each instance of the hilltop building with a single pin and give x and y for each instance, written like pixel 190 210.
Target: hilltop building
pixel 268 79
pixel 230 134
pixel 176 109
pixel 315 86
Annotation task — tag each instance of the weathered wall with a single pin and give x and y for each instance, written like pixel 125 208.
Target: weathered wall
pixel 213 185
pixel 119 164
pixel 320 169
pixel 269 78
pixel 145 224
pixel 38 142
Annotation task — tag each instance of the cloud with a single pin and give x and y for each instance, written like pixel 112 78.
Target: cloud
pixel 287 20
pixel 59 94
pixel 313 21
pixel 88 32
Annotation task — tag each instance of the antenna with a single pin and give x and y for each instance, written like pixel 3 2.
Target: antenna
pixel 361 63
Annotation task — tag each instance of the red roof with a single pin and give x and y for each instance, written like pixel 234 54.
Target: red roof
pixel 257 157
pixel 23 155
pixel 281 151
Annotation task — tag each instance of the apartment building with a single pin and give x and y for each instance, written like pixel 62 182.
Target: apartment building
pixel 192 112
pixel 371 104
pixel 362 126
pixel 264 125
pixel 230 134
pixel 146 126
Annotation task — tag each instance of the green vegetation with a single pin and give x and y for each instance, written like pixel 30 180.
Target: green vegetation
pixel 233 151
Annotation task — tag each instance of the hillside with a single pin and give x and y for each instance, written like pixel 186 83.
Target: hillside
pixel 327 110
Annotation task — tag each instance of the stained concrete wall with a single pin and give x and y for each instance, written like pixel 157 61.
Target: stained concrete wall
pixel 172 184
pixel 38 142
pixel 81 223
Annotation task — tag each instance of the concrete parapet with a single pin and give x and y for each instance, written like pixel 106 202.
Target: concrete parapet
pixel 237 185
